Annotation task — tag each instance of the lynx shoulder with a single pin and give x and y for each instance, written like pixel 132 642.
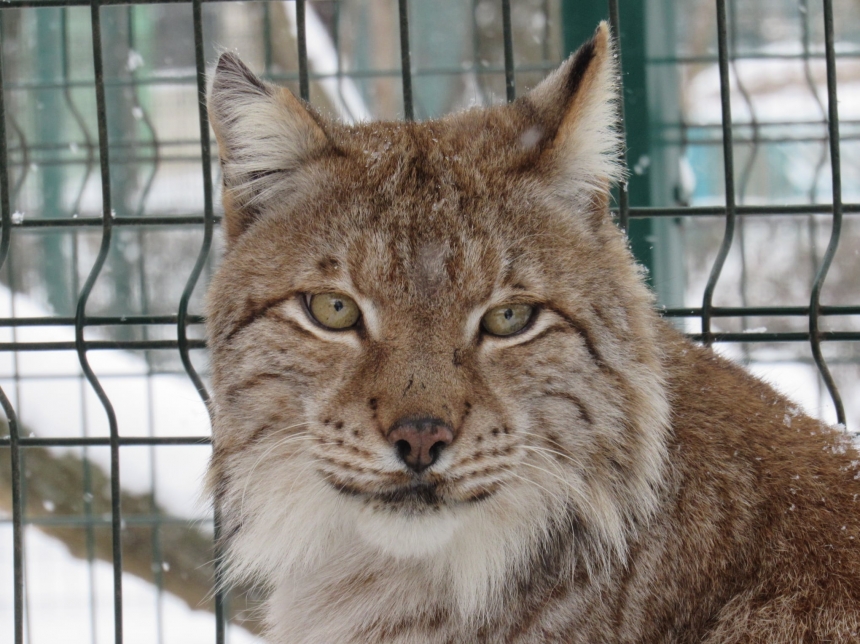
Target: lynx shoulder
pixel 445 410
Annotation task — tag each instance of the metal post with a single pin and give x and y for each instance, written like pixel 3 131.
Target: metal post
pixel 406 60
pixel 836 226
pixel 80 317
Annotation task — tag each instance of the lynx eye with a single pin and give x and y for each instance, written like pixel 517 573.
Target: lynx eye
pixel 507 319
pixel 333 310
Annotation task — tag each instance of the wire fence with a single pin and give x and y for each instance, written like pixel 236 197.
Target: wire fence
pixel 170 341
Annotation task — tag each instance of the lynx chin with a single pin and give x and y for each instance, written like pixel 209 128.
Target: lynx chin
pixel 446 412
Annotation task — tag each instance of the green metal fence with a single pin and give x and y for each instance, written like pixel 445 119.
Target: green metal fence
pixel 92 227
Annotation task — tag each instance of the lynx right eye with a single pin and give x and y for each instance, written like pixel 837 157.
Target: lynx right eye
pixel 333 310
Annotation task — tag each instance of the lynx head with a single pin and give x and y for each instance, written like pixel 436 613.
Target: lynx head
pixel 431 347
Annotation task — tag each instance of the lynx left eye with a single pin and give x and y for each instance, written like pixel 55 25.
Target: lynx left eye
pixel 333 310
pixel 507 319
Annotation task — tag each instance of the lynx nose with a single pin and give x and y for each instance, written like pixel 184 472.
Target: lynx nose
pixel 419 441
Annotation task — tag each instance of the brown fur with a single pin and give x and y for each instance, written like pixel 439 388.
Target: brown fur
pixel 615 482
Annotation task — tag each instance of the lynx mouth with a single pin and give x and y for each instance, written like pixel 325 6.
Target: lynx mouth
pixel 419 494
pixel 416 496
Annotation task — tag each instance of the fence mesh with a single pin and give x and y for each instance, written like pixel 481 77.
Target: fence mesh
pixel 109 231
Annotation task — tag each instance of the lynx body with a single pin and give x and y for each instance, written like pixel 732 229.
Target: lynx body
pixel 422 475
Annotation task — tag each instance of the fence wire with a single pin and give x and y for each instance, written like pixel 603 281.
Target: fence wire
pixel 179 333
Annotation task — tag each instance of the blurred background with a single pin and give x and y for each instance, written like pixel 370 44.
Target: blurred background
pixel 674 136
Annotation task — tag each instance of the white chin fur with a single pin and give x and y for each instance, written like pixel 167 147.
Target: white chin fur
pixel 407 535
pixel 309 541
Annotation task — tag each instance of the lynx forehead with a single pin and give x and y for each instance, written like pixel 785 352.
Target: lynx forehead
pixel 445 410
pixel 430 272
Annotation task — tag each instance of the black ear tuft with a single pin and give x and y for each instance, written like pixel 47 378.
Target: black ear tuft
pixel 231 74
pixel 582 60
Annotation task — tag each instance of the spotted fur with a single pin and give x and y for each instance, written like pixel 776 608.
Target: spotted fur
pixel 608 480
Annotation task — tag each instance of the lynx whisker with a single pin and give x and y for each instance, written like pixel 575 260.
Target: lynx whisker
pixel 497 475
pixel 553 495
pixel 546 450
pixel 569 487
pixel 298 475
pixel 301 436
pixel 540 436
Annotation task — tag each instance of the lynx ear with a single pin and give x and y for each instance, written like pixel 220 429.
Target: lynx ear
pixel 264 135
pixel 575 122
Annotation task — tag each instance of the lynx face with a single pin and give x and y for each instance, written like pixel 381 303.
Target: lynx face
pixel 431 347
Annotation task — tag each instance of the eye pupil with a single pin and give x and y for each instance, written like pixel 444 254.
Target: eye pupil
pixel 333 310
pixel 509 314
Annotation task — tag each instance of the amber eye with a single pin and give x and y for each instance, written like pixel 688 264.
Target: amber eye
pixel 333 310
pixel 507 319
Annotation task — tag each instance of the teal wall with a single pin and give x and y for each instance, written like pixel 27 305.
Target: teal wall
pixel 650 99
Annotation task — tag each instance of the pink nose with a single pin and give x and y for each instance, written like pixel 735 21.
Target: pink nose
pixel 419 441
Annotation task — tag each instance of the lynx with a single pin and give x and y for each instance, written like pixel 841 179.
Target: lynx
pixel 445 410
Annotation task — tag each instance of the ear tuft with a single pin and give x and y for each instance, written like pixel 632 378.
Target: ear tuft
pixel 576 109
pixel 264 133
pixel 231 74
